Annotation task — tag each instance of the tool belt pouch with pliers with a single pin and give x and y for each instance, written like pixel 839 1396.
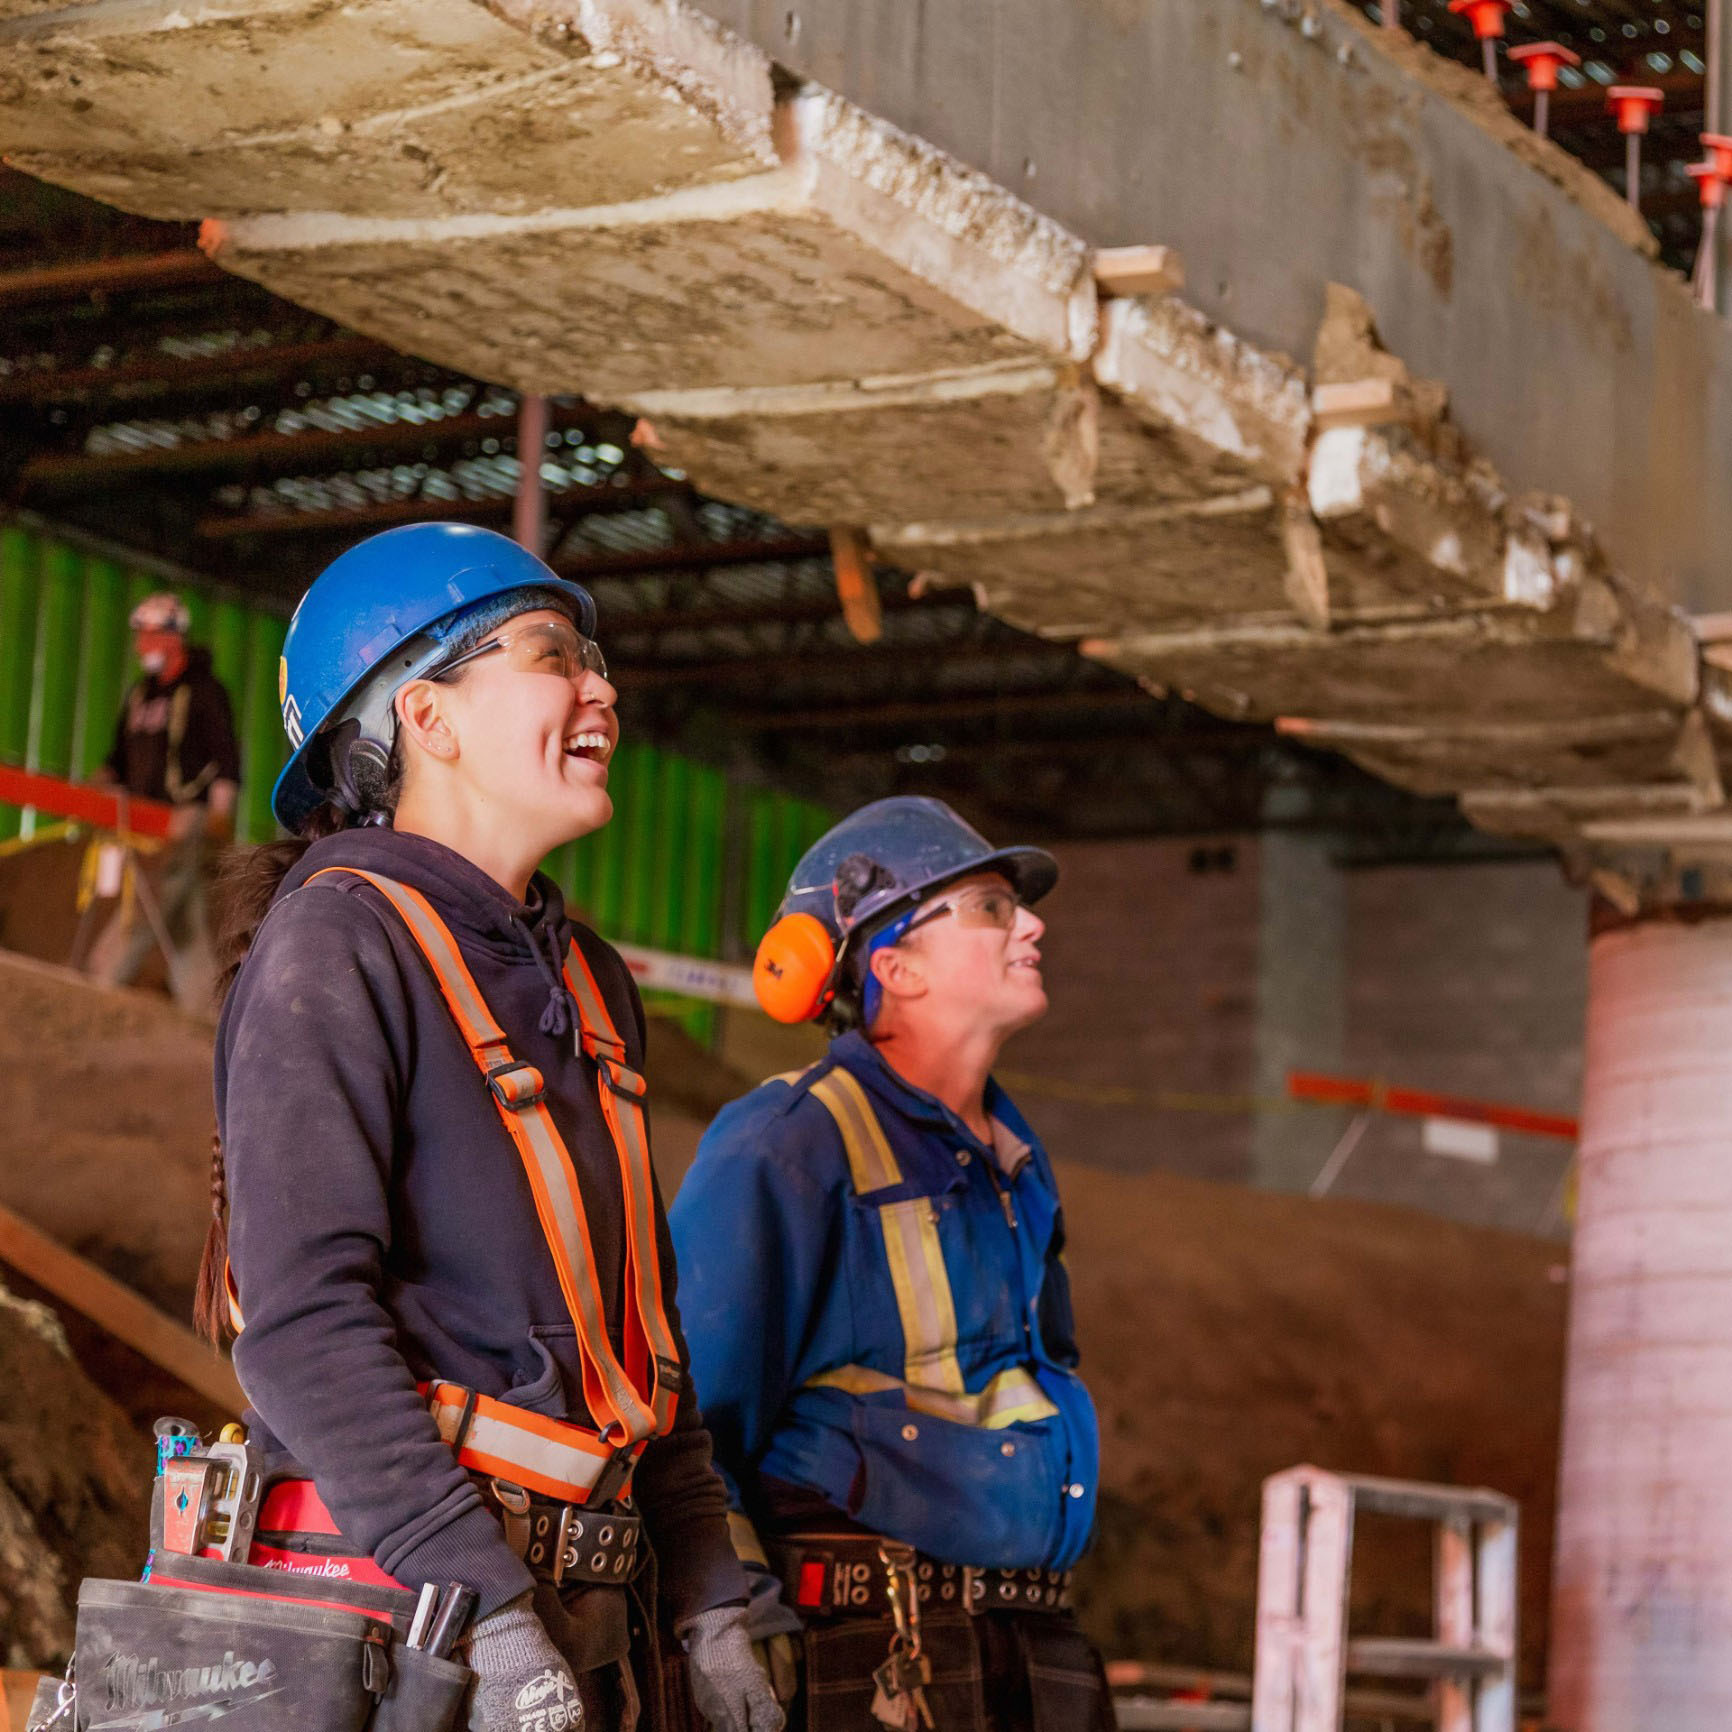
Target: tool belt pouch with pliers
pixel 261 1649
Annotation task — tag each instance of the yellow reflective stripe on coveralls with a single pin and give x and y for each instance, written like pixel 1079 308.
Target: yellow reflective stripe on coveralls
pixel 870 1161
pixel 932 1380
pixel 624 1415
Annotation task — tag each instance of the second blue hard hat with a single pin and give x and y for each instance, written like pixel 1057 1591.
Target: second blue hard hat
pixel 403 595
pixel 878 862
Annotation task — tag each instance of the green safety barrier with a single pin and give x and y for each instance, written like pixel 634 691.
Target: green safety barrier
pixel 658 875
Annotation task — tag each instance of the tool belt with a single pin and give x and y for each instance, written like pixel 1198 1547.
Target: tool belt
pixel 851 1575
pixel 562 1543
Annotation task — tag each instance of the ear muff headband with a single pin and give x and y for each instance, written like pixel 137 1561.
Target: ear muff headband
pixel 793 974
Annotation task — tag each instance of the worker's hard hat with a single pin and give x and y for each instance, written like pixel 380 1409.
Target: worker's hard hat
pixel 164 611
pixel 382 614
pixel 877 864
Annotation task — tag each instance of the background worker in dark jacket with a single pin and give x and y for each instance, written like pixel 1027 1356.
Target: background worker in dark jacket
pixel 879 1315
pixel 175 741
pixel 447 1252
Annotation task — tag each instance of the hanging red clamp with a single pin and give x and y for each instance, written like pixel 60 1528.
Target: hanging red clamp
pixel 1635 106
pixel 1542 62
pixel 1486 17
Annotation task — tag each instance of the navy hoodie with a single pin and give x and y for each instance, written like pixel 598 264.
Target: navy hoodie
pixel 382 1229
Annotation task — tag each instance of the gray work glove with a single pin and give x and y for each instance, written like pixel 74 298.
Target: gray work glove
pixel 729 1683
pixel 522 1683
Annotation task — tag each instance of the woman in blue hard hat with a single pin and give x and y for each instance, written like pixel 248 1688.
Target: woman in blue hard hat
pixel 443 1247
pixel 874 1288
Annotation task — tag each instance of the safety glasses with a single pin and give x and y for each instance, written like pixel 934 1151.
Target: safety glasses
pixel 979 905
pixel 549 646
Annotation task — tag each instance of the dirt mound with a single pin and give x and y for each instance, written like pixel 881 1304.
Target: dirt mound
pixel 74 1487
pixel 1229 1333
pixel 1226 1333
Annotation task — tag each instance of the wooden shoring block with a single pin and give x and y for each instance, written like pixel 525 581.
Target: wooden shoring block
pixel 1359 403
pixel 1129 271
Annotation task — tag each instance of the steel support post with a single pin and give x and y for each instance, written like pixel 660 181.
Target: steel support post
pixel 529 511
pixel 1641 1631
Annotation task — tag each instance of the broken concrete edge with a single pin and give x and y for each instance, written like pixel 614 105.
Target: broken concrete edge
pixel 1164 357
pixel 720 74
pixel 949 225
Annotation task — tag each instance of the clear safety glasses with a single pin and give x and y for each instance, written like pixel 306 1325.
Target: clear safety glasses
pixel 979 905
pixel 549 646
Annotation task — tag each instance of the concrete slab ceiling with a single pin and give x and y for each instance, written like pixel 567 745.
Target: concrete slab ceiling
pixel 837 322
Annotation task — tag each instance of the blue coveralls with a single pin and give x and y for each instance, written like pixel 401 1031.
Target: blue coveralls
pixel 889 1326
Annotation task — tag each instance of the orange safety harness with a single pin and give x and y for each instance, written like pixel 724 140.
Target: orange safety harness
pixel 631 1402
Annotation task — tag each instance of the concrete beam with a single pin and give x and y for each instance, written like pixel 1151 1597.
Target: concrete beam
pixel 399 108
pixel 1606 652
pixel 742 283
pixel 1280 149
pixel 1113 569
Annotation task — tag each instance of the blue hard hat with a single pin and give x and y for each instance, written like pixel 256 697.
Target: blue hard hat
pixel 891 855
pixel 405 589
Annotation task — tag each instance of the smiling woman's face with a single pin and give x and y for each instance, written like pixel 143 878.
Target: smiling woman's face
pixel 533 744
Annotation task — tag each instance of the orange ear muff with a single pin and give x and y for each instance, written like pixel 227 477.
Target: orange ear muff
pixel 791 975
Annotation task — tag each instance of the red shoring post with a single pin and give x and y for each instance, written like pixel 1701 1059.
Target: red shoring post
pixel 1710 178
pixel 1541 61
pixel 1635 105
pixel 1486 17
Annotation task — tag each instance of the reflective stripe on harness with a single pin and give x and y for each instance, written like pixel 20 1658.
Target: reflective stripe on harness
pixel 634 1402
pixel 551 1457
pixel 627 1410
pixel 932 1380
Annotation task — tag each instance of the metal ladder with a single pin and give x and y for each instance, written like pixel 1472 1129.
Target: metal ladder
pixel 1304 1651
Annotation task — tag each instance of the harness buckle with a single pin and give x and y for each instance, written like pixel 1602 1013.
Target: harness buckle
pixel 515 1084
pixel 621 1078
pixel 615 1476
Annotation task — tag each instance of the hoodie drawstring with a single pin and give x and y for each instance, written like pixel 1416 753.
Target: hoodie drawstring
pixel 560 1014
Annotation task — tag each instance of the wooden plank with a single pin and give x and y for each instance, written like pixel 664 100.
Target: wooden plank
pixel 1359 403
pixel 119 1310
pixel 1130 271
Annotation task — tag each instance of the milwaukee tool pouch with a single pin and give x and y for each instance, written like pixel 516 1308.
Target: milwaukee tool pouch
pixel 257 1650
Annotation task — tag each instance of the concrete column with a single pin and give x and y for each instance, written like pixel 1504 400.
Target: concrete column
pixel 1641 1631
pixel 1301 1000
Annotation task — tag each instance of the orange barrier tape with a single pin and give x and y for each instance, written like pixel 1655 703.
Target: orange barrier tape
pixel 1376 1096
